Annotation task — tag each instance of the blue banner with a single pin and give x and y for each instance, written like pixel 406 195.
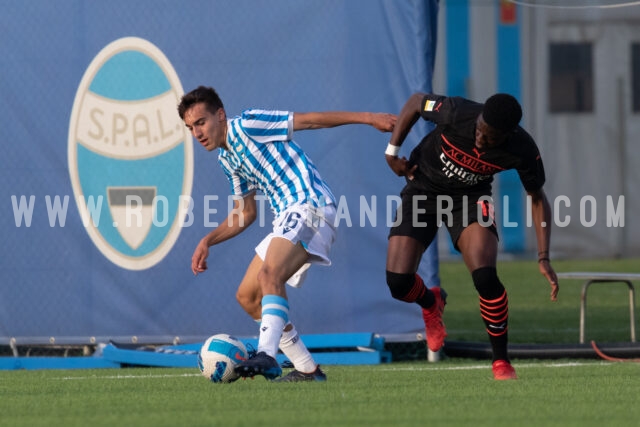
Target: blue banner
pixel 87 102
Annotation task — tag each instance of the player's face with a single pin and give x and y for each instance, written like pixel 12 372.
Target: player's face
pixel 487 136
pixel 210 129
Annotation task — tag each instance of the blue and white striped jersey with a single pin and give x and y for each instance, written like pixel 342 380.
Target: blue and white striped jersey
pixel 261 156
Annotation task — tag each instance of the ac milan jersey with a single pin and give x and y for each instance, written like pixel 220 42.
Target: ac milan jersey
pixel 449 161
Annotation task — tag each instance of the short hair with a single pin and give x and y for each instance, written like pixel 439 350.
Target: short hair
pixel 204 94
pixel 502 111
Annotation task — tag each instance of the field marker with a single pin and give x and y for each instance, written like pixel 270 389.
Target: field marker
pixel 485 366
pixel 126 377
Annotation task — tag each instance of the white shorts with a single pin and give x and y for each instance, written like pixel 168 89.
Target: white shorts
pixel 312 227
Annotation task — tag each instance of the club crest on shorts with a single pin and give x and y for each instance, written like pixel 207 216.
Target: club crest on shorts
pixel 130 157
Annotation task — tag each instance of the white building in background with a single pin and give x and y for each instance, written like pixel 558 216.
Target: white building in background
pixel 575 66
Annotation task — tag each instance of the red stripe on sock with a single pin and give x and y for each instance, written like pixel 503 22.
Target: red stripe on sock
pixel 417 290
pixel 495 314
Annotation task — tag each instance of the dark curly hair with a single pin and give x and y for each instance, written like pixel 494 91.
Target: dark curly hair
pixel 502 111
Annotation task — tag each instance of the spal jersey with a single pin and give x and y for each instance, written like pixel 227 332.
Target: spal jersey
pixel 261 156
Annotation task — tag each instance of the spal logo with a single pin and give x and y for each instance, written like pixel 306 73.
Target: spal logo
pixel 130 156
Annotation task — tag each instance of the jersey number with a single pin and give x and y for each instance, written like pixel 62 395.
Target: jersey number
pixel 291 221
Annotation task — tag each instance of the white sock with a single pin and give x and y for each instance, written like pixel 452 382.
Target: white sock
pixel 275 314
pixel 292 346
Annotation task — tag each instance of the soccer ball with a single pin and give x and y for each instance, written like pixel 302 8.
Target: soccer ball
pixel 219 355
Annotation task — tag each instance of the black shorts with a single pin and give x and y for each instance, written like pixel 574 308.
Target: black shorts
pixel 421 215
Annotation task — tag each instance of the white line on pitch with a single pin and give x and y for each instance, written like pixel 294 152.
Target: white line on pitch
pixel 488 364
pixel 120 377
pixel 435 367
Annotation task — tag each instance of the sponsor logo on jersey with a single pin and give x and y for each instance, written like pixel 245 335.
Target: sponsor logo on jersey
pixel 463 166
pixel 428 106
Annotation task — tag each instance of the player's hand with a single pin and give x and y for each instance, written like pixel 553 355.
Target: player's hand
pixel 548 272
pixel 401 166
pixel 199 258
pixel 384 122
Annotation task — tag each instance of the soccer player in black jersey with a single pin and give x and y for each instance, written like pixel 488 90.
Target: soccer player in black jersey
pixel 449 177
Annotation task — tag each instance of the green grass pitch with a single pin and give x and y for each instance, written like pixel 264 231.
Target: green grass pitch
pixel 453 392
pixel 449 393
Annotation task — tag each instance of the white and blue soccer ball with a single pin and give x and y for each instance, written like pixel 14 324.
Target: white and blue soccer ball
pixel 218 357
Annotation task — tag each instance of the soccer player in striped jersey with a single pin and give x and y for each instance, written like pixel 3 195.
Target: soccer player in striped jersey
pixel 257 154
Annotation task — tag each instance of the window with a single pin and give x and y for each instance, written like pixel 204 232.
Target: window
pixel 635 76
pixel 570 77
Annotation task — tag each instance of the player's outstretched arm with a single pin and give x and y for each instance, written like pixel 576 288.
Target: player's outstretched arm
pixel 242 216
pixel 384 122
pixel 541 214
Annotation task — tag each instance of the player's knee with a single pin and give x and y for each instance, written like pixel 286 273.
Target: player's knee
pixel 487 283
pixel 400 284
pixel 249 302
pixel 242 299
